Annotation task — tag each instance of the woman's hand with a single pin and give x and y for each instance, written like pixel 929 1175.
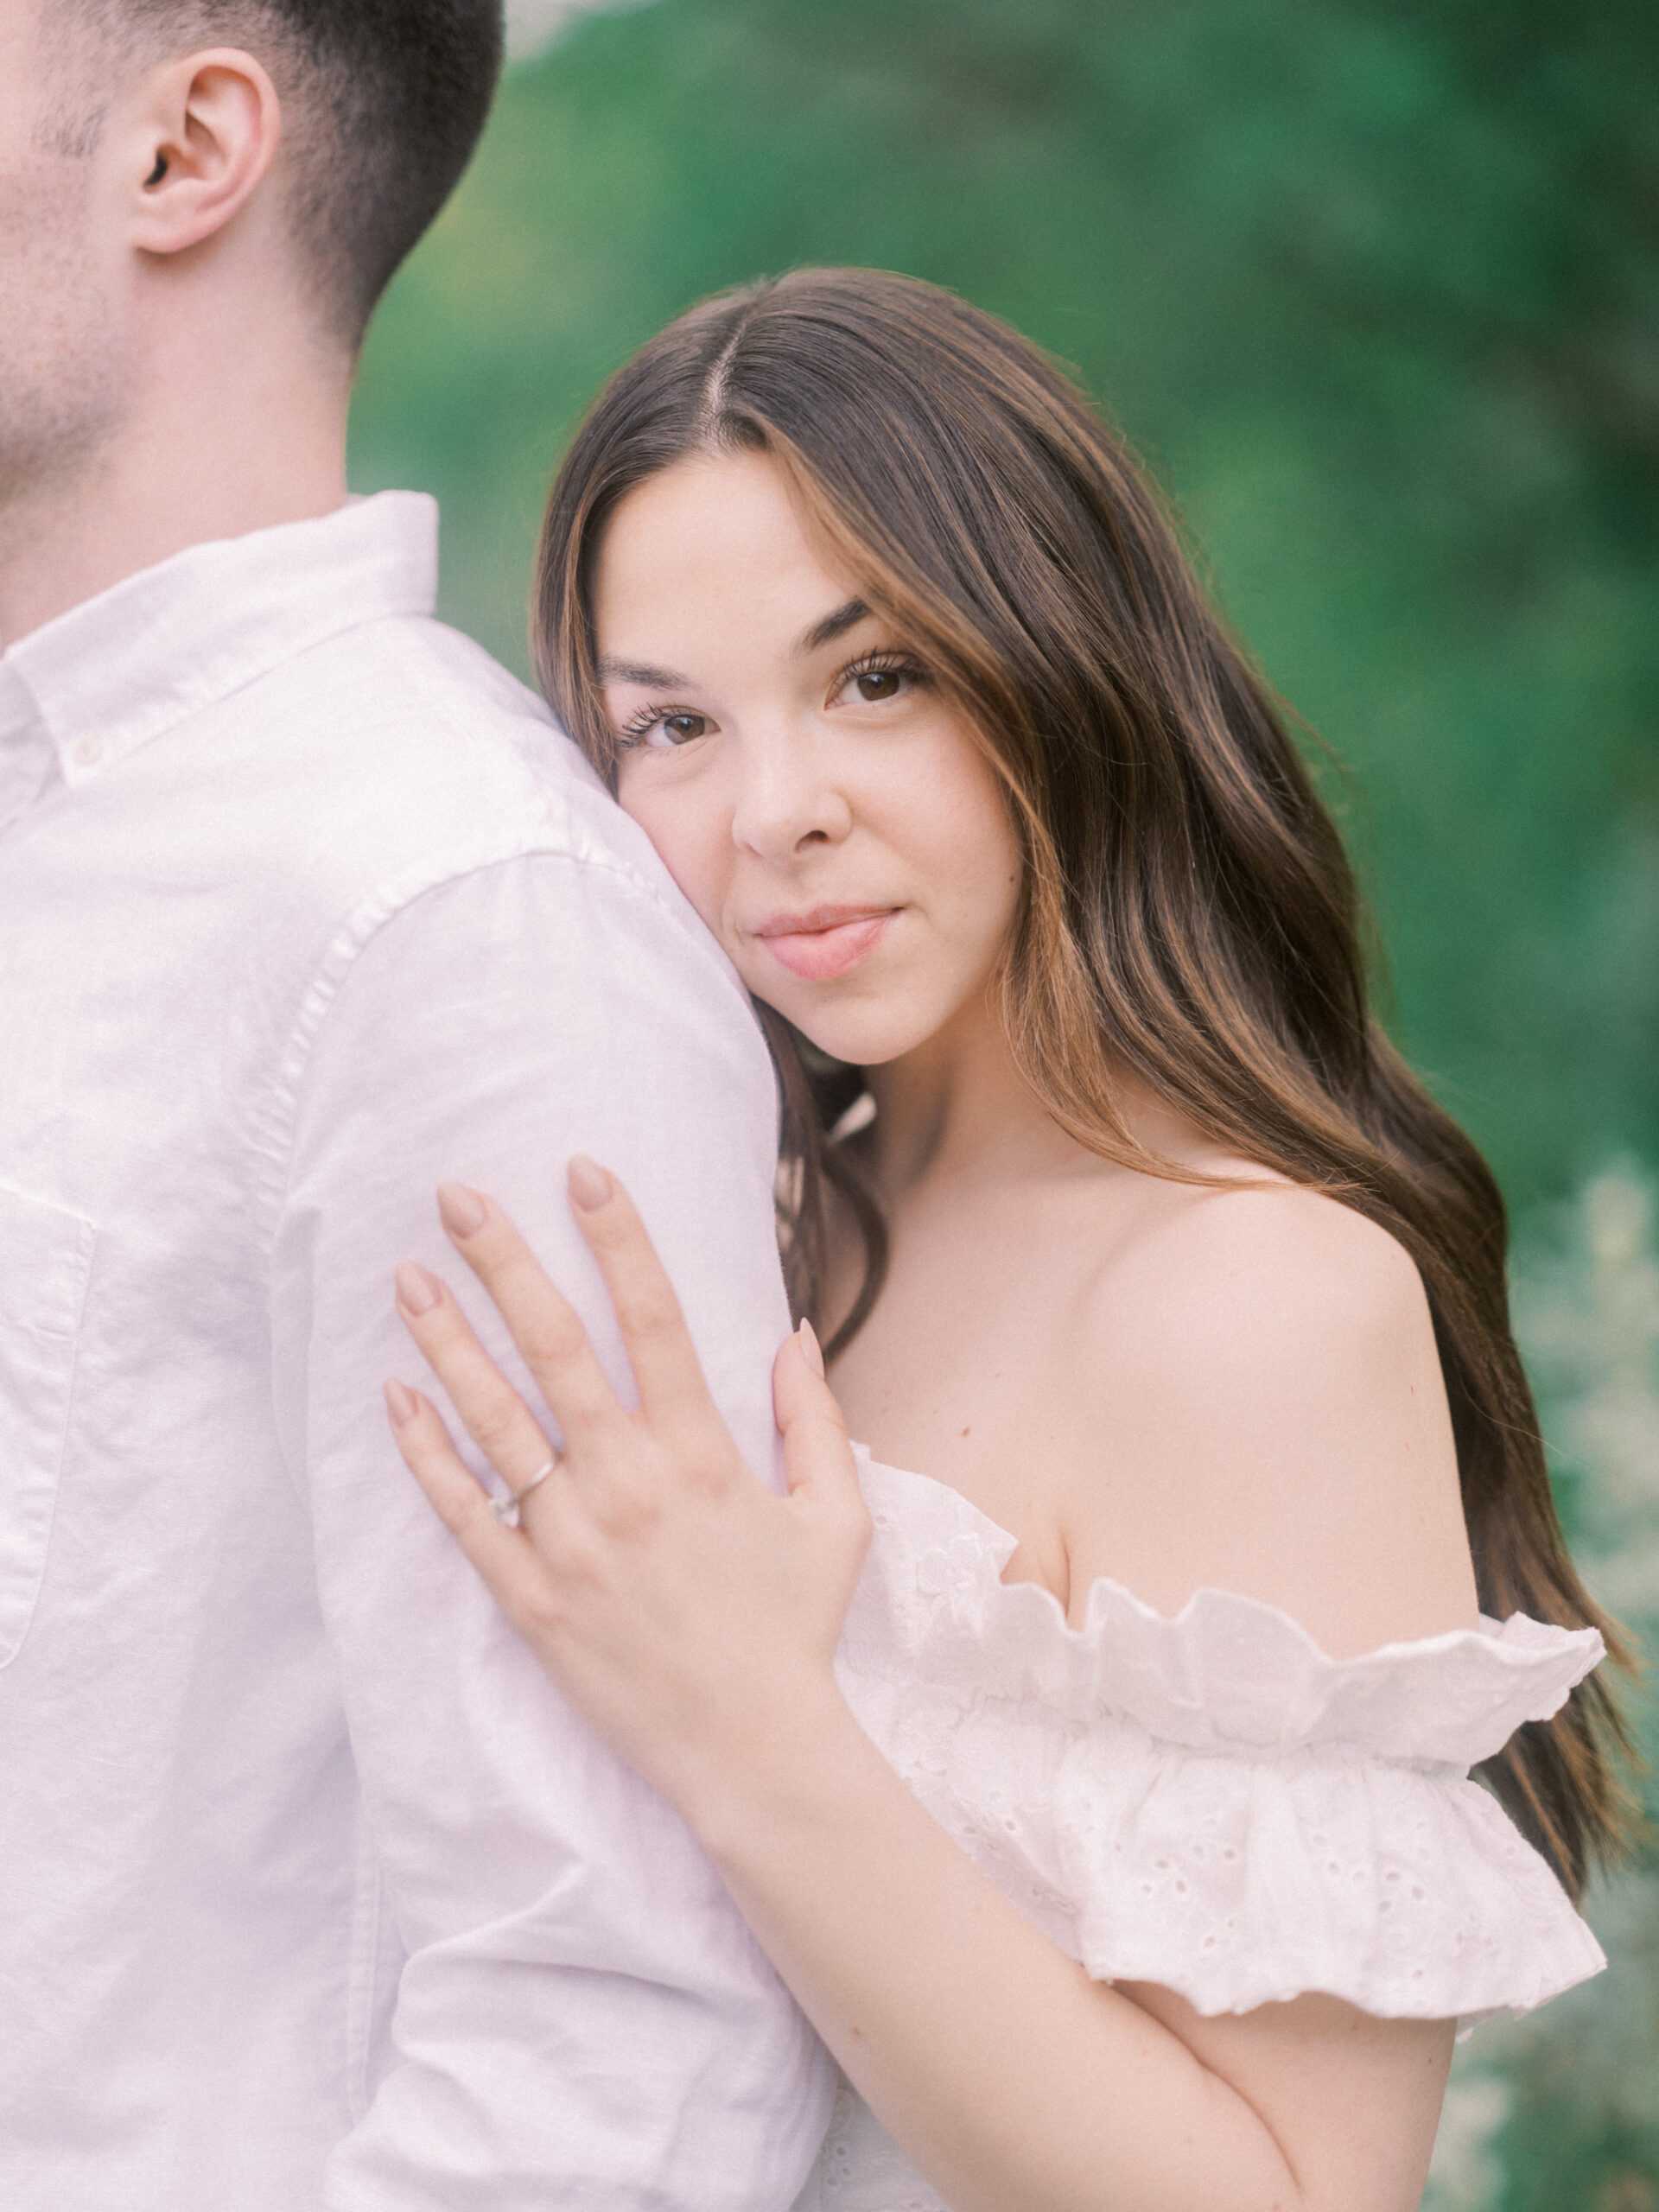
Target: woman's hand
pixel 690 1614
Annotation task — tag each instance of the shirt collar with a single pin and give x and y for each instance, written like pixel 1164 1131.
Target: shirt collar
pixel 98 682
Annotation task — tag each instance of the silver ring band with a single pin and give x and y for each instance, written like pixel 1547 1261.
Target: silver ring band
pixel 506 1509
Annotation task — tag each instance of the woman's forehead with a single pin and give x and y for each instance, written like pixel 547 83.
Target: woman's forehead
pixel 719 539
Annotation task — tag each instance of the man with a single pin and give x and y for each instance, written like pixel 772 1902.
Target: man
pixel 315 1895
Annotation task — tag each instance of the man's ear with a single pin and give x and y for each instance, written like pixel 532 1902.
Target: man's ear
pixel 197 143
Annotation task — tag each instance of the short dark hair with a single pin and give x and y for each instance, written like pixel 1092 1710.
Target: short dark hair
pixel 386 101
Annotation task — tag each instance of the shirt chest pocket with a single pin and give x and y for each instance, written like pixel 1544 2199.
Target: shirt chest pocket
pixel 45 1255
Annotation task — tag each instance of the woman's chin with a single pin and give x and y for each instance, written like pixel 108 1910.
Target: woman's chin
pixel 863 1037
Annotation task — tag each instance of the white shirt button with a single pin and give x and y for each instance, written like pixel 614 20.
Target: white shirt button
pixel 89 751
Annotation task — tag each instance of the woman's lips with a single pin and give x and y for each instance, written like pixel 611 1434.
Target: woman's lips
pixel 826 943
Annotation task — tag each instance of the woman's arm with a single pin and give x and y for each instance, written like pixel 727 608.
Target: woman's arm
pixel 693 1616
pixel 1009 2077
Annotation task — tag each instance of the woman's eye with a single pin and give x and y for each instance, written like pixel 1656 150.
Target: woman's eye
pixel 874 686
pixel 680 729
pixel 660 733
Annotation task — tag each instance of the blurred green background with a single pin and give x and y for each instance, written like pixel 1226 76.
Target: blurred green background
pixel 1374 288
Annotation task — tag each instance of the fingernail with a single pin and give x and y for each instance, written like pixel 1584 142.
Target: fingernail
pixel 400 1403
pixel 417 1292
pixel 463 1213
pixel 810 1350
pixel 590 1185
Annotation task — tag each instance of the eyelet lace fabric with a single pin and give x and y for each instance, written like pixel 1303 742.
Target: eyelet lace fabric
pixel 1208 1803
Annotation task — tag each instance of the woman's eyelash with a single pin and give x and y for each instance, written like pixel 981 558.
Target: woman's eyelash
pixel 890 661
pixel 649 718
pixel 635 732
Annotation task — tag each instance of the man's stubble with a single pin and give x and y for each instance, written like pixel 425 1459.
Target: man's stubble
pixel 65 380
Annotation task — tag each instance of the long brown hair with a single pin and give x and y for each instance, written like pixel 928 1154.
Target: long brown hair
pixel 1188 911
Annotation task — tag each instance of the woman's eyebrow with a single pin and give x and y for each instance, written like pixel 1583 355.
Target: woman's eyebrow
pixel 823 633
pixel 630 672
pixel 832 626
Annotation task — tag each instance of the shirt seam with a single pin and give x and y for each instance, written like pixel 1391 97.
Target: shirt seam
pixel 363 1971
pixel 86 1245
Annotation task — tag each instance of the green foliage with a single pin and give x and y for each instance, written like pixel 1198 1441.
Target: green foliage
pixel 1562 2111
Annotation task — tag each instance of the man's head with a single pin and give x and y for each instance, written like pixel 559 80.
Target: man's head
pixel 383 103
pixel 286 151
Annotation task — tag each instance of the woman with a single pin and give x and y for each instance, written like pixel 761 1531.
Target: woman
pixel 1124 1854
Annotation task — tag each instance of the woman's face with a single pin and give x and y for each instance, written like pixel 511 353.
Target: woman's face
pixel 825 810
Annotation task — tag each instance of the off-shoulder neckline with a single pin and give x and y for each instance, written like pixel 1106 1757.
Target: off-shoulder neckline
pixel 1226 1810
pixel 1105 1593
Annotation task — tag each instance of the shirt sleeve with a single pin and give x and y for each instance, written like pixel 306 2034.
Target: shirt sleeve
pixel 582 2017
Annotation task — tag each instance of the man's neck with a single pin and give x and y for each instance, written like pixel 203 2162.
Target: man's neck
pixel 171 477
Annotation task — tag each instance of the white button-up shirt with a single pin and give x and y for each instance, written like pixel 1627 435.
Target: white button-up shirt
pixel 315 1894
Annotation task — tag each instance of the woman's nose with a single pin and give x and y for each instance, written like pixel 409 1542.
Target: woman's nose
pixel 786 803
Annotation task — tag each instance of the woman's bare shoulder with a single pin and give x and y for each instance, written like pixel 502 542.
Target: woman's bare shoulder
pixel 1254 1226
pixel 1259 1362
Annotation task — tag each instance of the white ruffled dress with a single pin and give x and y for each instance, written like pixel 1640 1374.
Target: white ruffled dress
pixel 1208 1802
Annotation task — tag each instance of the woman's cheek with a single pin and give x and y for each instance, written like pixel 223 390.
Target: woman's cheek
pixel 688 847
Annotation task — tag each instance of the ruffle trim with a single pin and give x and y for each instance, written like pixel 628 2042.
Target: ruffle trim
pixel 1409 1894
pixel 1228 1675
pixel 1211 1803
